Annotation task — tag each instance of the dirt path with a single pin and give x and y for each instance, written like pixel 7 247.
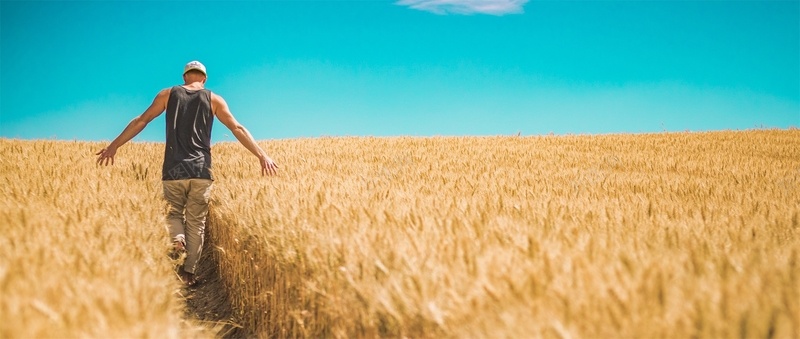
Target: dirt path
pixel 208 302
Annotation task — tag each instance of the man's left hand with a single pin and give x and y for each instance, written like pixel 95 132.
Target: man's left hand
pixel 105 155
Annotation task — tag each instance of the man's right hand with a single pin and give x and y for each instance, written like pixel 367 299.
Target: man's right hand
pixel 268 166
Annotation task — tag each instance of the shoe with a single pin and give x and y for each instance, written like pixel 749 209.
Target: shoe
pixel 179 245
pixel 178 249
pixel 189 279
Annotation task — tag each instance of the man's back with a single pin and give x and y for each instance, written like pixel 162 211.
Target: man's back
pixel 187 153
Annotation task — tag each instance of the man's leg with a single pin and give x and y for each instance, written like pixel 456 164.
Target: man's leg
pixel 196 212
pixel 175 193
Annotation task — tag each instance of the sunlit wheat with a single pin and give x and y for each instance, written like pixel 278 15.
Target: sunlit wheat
pixel 657 235
pixel 663 235
pixel 82 249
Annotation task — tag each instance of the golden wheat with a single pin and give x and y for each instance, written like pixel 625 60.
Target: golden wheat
pixel 663 235
pixel 660 235
pixel 82 248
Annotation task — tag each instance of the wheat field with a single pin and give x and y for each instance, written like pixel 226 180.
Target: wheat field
pixel 82 249
pixel 667 235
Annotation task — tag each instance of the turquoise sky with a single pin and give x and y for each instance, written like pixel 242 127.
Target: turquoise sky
pixel 82 70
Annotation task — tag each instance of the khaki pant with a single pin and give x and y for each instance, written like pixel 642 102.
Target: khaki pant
pixel 188 208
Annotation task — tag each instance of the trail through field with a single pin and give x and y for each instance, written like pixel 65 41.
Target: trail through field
pixel 208 302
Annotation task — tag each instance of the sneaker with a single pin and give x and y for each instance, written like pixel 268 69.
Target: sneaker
pixel 178 249
pixel 188 279
pixel 179 245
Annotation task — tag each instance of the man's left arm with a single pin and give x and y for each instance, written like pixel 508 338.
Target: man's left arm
pixel 134 127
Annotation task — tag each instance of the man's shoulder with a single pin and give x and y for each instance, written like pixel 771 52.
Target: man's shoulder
pixel 167 91
pixel 164 93
pixel 215 96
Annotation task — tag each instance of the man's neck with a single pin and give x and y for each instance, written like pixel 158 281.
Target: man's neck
pixel 193 85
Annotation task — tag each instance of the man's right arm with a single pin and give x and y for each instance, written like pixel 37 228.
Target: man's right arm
pixel 223 113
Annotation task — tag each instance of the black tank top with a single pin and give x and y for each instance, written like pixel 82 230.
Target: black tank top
pixel 187 153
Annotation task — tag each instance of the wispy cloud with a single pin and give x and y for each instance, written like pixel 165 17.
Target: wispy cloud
pixel 493 7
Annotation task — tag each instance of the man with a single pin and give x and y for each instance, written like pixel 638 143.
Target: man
pixel 186 173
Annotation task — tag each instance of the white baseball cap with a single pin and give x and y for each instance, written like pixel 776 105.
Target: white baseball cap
pixel 194 65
